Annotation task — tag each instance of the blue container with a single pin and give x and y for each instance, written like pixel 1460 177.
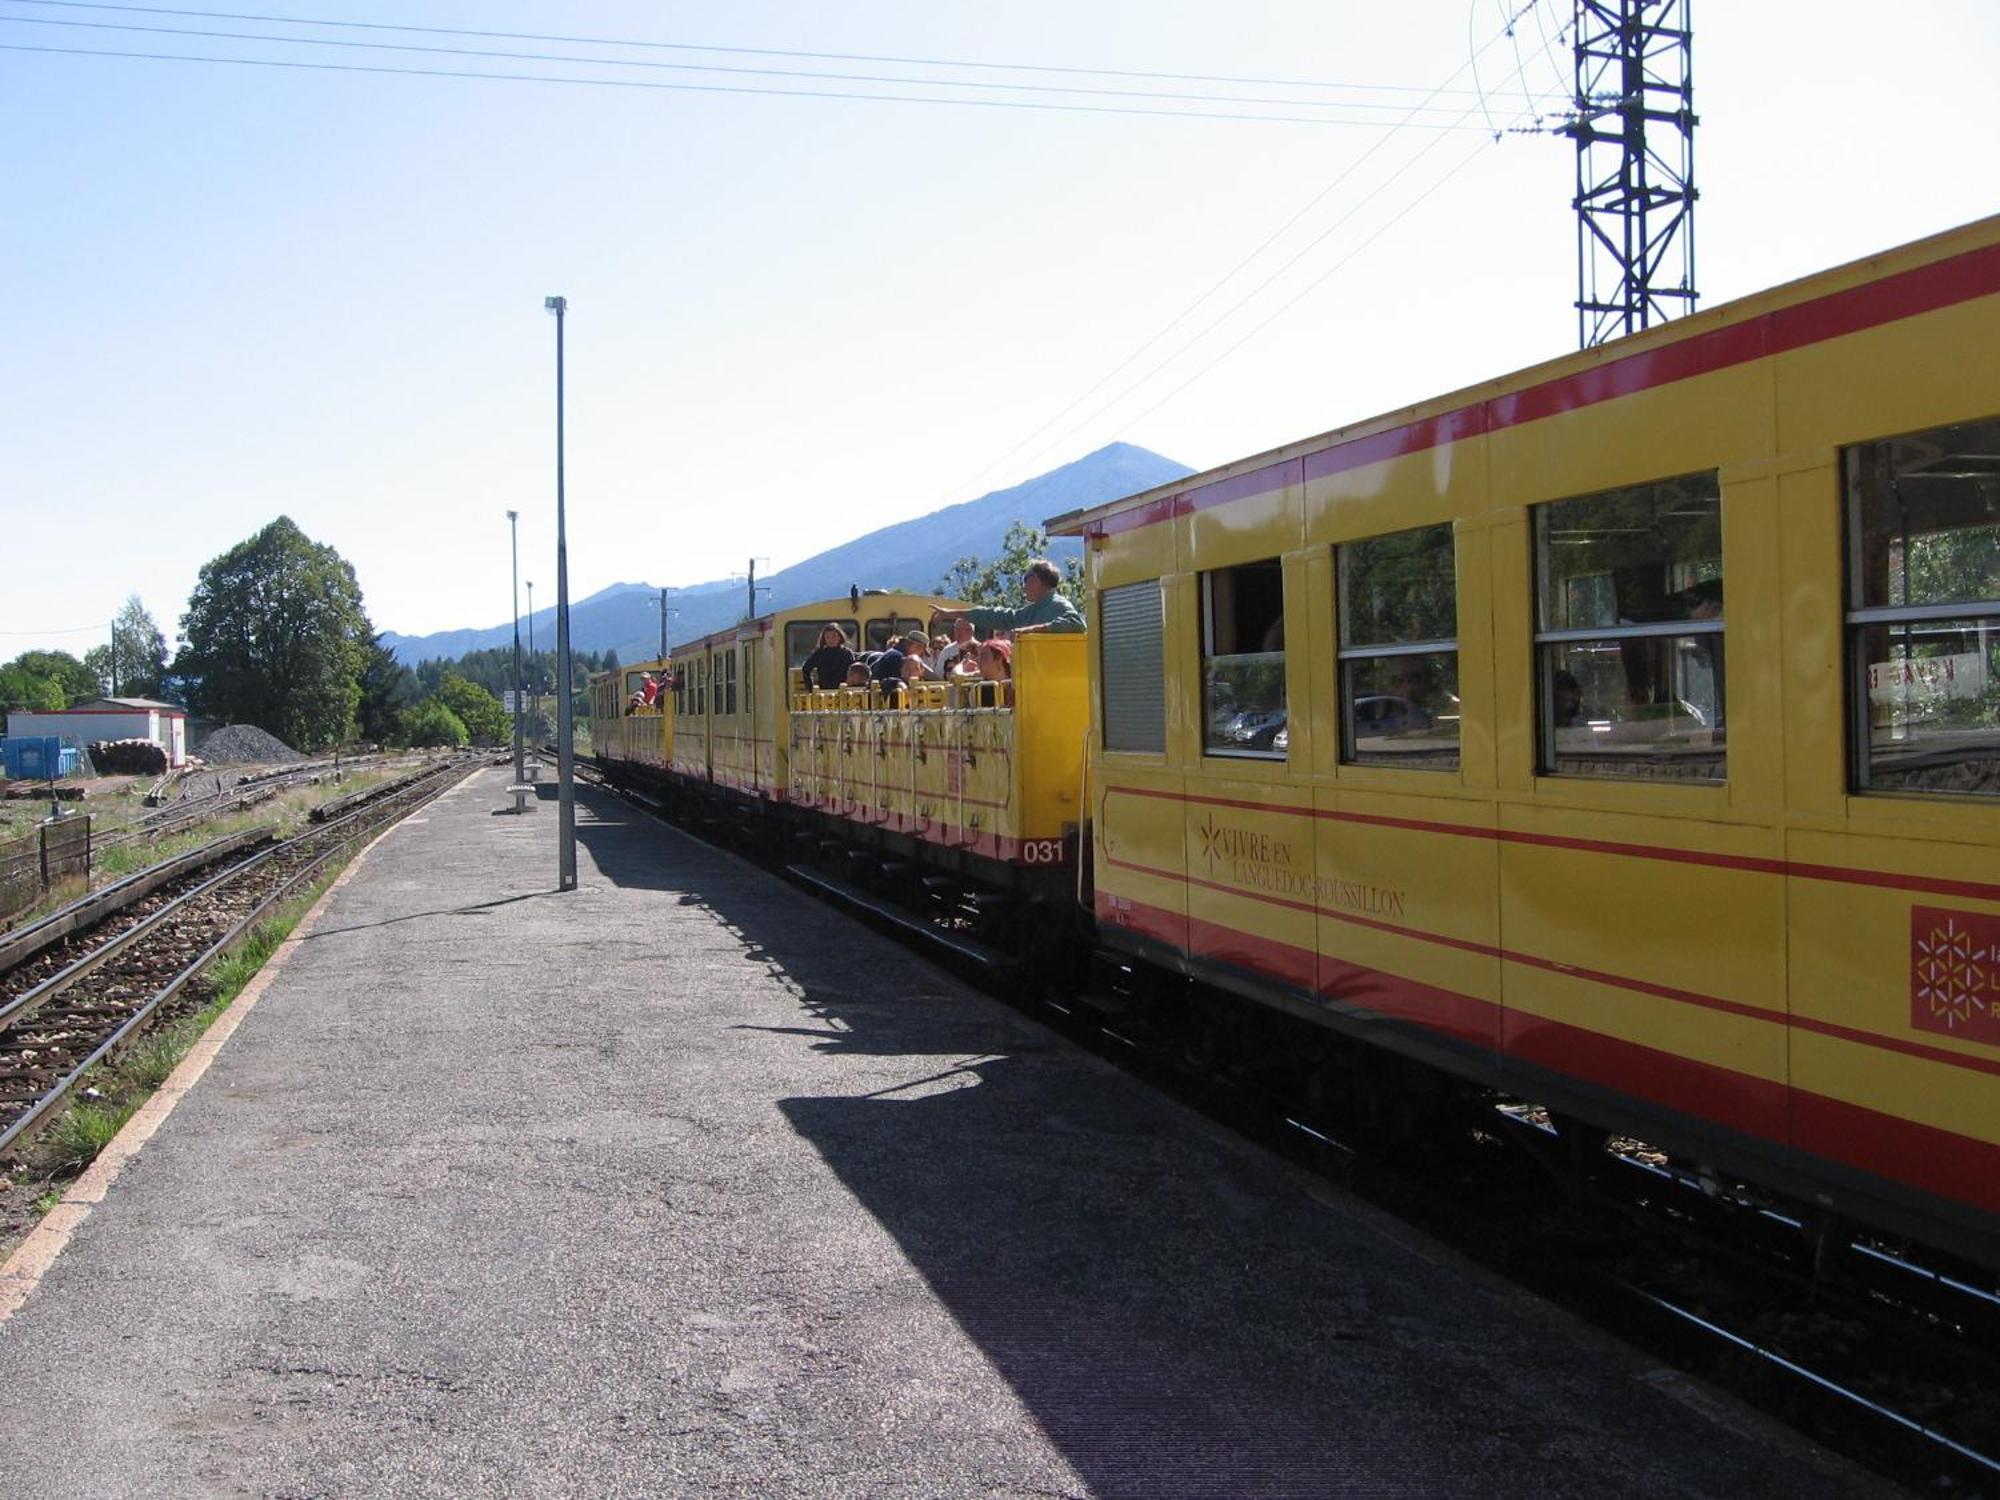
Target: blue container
pixel 36 757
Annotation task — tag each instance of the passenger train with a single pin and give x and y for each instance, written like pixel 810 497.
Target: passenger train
pixel 1621 735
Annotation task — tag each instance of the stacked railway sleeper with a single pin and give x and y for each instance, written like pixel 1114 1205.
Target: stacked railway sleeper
pixel 1886 1351
pixel 82 984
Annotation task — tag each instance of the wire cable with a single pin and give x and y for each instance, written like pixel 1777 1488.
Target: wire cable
pixel 699 88
pixel 1320 280
pixel 210 34
pixel 1235 271
pixel 531 36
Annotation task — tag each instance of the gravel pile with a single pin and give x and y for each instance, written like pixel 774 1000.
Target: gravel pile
pixel 245 744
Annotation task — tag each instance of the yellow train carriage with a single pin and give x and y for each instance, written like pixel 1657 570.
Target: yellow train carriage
pixel 1624 733
pixel 621 734
pixel 963 770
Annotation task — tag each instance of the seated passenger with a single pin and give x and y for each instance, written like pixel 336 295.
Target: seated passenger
pixel 996 665
pixel 917 648
pixel 857 675
pixel 1046 609
pixel 650 693
pixel 827 667
pixel 888 665
pixel 963 647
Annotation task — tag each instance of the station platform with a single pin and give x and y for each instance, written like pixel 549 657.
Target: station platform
pixel 684 1184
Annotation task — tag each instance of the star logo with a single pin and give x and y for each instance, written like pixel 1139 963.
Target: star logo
pixel 1211 838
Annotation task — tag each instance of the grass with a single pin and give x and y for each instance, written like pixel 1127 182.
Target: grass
pixel 83 1130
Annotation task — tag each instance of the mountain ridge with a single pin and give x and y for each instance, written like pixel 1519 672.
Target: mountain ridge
pixel 910 554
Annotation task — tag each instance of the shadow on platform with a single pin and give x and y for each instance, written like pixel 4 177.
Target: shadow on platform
pixel 1175 1333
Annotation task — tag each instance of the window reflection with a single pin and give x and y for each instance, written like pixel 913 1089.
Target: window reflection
pixel 1243 659
pixel 1630 646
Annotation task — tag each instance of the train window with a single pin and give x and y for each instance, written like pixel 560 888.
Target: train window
pixel 802 638
pixel 725 671
pixel 1923 616
pixel 880 632
pixel 1132 666
pixel 1629 646
pixel 1243 659
pixel 1399 650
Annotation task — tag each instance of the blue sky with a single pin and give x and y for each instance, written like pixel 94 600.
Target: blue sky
pixel 241 291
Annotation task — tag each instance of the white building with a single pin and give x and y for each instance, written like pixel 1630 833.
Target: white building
pixel 165 724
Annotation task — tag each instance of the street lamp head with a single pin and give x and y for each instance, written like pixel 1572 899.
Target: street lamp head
pixel 557 305
pixel 513 515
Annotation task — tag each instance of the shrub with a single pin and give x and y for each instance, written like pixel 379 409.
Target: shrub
pixel 431 723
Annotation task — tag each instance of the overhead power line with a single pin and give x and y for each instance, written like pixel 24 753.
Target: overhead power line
pixel 571 80
pixel 210 34
pixel 1465 113
pixel 666 46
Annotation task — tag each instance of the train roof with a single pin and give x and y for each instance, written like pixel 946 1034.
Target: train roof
pixel 1913 278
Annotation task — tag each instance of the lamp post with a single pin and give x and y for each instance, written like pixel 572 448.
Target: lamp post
pixel 565 737
pixel 514 541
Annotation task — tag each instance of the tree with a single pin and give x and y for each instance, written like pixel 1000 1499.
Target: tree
pixel 430 723
pixel 30 692
pixel 998 583
pixel 478 710
pixel 71 680
pixel 387 688
pixel 135 661
pixel 276 636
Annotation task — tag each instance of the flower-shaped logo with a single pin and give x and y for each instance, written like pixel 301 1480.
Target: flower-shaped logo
pixel 1955 973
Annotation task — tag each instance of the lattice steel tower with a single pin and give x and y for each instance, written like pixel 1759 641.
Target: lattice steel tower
pixel 1634 134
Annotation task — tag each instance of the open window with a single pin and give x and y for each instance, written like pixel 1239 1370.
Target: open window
pixel 1243 659
pixel 1923 610
pixel 802 639
pixel 1628 651
pixel 1399 650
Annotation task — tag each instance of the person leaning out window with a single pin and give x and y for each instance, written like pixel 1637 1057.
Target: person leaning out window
pixel 1046 609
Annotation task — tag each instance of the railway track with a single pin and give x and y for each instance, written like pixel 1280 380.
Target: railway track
pixel 1876 1350
pixel 71 1002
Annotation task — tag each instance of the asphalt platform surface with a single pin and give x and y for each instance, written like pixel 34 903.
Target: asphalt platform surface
pixel 684 1184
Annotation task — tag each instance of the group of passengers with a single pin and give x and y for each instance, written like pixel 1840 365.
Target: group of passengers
pixel 962 658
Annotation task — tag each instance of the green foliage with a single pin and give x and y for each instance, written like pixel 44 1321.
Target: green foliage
pixel 276 636
pixel 478 710
pixel 46 681
pixel 134 663
pixel 387 689
pixel 998 582
pixel 30 691
pixel 430 723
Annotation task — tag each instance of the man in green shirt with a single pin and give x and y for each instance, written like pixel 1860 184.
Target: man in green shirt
pixel 1045 610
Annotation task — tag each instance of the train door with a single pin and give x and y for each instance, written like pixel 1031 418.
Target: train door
pixel 753 744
